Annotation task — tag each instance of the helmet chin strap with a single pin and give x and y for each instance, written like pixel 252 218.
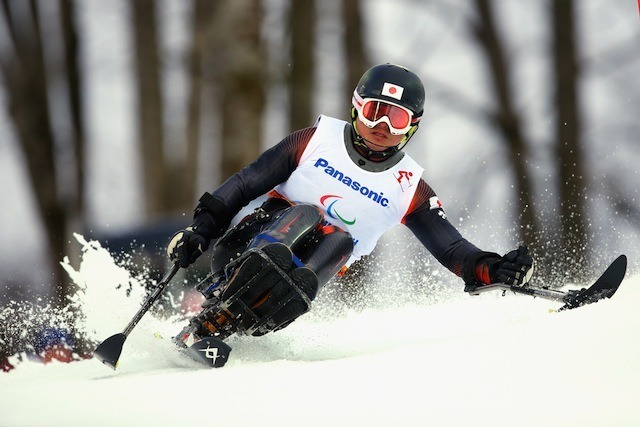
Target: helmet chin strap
pixel 373 155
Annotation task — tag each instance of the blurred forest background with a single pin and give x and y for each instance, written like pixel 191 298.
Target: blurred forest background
pixel 116 116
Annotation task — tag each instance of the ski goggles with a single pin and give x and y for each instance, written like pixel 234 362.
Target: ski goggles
pixel 373 111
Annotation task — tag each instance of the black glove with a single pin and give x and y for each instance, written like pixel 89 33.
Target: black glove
pixel 515 268
pixel 187 245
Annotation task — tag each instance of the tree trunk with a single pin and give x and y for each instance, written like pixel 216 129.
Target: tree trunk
pixel 508 122
pixel 202 27
pixel 74 87
pixel 301 73
pixel 150 105
pixel 356 56
pixel 26 83
pixel 569 149
pixel 240 72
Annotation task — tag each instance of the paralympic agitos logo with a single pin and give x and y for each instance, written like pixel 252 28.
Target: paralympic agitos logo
pixel 329 201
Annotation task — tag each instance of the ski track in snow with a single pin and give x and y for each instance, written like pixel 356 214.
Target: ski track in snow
pixel 485 360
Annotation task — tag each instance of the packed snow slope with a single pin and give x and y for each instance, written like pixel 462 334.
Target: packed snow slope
pixel 483 361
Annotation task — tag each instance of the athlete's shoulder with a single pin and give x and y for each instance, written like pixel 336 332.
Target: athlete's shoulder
pixel 424 199
pixel 294 144
pixel 327 120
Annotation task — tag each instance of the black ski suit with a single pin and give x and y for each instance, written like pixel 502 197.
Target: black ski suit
pixel 429 225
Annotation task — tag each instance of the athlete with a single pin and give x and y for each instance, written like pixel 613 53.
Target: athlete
pixel 333 190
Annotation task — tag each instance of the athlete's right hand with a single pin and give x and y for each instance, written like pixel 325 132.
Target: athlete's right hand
pixel 186 246
pixel 515 268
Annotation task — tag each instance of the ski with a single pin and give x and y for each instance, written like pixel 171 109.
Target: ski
pixel 605 287
pixel 210 351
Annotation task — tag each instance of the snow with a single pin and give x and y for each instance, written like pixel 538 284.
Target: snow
pixel 461 360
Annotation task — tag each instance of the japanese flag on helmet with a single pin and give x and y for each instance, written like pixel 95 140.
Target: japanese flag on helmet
pixel 391 90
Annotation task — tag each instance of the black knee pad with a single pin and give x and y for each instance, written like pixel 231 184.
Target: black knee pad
pixel 291 302
pixel 287 301
pixel 257 271
pixel 265 292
